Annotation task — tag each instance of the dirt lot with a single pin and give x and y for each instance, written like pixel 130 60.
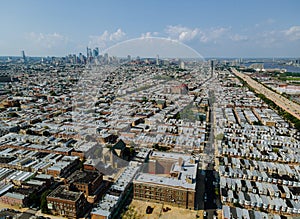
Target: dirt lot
pixel 138 208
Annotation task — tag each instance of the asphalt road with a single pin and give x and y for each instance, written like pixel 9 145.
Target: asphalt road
pixel 206 198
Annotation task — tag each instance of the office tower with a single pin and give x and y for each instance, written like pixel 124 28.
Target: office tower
pixel 88 52
pixel 74 58
pixel 81 58
pixel 95 52
pixel 212 66
pixel 23 56
pixel 157 59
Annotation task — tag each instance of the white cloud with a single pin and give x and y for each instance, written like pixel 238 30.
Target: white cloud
pixel 146 35
pixel 188 35
pixel 116 36
pixel 214 34
pixel 293 33
pixel 149 34
pixel 99 41
pixel 182 33
pixel 106 38
pixel 47 40
pixel 185 34
pixel 278 38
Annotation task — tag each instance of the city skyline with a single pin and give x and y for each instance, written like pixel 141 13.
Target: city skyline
pixel 213 29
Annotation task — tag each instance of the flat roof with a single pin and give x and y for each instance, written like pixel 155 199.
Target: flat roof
pixel 125 178
pixel 184 165
pixel 161 180
pixel 106 205
pixel 14 195
pixel 84 177
pixel 62 193
pixel 43 176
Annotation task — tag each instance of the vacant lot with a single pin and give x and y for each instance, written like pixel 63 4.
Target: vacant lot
pixel 138 208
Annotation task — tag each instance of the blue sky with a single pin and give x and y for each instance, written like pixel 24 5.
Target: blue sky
pixel 231 28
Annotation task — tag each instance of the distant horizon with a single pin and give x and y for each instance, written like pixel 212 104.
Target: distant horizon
pixel 50 56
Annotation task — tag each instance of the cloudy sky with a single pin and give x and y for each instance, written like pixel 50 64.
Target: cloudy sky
pixel 231 28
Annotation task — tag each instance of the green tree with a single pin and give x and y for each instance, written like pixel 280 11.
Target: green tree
pixel 81 164
pixel 220 137
pixel 12 115
pixel 52 93
pixel 297 125
pixel 44 206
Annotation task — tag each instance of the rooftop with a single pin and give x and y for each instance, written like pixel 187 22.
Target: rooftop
pixel 62 193
pixel 84 176
pixel 184 167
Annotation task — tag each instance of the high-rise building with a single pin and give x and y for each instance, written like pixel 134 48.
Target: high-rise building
pixel 23 56
pixel 81 58
pixel 88 52
pixel 95 52
pixel 212 66
pixel 74 59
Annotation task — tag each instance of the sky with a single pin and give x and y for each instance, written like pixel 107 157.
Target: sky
pixel 213 28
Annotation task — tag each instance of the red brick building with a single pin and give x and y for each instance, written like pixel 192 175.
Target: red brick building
pixel 67 203
pixel 89 182
pixel 171 179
